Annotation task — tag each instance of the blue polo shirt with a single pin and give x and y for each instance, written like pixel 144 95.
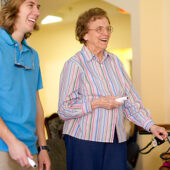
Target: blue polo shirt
pixel 20 78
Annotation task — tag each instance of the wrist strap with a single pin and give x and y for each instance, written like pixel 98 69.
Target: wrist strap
pixel 43 148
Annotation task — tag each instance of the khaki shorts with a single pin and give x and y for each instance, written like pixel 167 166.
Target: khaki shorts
pixel 6 163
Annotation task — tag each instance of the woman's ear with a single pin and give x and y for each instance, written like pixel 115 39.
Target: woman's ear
pixel 85 37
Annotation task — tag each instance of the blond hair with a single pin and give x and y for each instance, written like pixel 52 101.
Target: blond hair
pixel 9 14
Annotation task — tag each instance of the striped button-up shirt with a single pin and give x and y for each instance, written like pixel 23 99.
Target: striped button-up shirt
pixel 84 79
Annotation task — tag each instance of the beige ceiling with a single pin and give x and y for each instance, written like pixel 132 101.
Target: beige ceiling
pixel 70 9
pixel 49 7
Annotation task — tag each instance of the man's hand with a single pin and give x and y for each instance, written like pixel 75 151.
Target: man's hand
pixel 19 152
pixel 107 102
pixel 43 160
pixel 159 132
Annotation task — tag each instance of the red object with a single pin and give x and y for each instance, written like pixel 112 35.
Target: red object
pixel 123 11
pixel 166 164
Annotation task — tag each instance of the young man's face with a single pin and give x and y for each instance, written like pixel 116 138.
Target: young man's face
pixel 27 16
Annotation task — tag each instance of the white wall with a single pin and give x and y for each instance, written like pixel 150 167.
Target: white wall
pixel 166 54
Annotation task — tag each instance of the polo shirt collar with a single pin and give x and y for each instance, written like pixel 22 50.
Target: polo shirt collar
pixel 27 62
pixel 10 41
pixel 6 37
pixel 89 55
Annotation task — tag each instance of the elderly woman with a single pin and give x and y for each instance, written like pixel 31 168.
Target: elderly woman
pixel 90 83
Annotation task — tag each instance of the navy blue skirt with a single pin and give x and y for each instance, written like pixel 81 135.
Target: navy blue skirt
pixel 88 155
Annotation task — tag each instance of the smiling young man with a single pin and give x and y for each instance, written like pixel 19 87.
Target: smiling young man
pixel 21 113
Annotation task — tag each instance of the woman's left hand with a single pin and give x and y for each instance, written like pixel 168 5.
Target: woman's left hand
pixel 159 132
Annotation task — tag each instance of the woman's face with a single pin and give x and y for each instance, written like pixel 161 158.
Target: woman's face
pixel 98 34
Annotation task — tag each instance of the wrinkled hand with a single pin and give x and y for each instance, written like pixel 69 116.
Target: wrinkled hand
pixel 19 152
pixel 159 132
pixel 43 160
pixel 107 102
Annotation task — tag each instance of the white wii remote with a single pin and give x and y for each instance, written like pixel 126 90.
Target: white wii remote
pixel 32 163
pixel 122 99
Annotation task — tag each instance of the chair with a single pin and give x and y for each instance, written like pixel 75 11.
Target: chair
pixel 57 153
pixel 54 126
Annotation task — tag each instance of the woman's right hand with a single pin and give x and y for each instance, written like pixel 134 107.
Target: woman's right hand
pixel 19 152
pixel 107 102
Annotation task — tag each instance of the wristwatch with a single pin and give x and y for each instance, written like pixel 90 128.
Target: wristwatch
pixel 43 148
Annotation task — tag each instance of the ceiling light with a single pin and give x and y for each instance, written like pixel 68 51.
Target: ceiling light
pixel 51 19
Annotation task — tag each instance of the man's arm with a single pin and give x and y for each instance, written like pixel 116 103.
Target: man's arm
pixel 43 155
pixel 18 151
pixel 5 133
